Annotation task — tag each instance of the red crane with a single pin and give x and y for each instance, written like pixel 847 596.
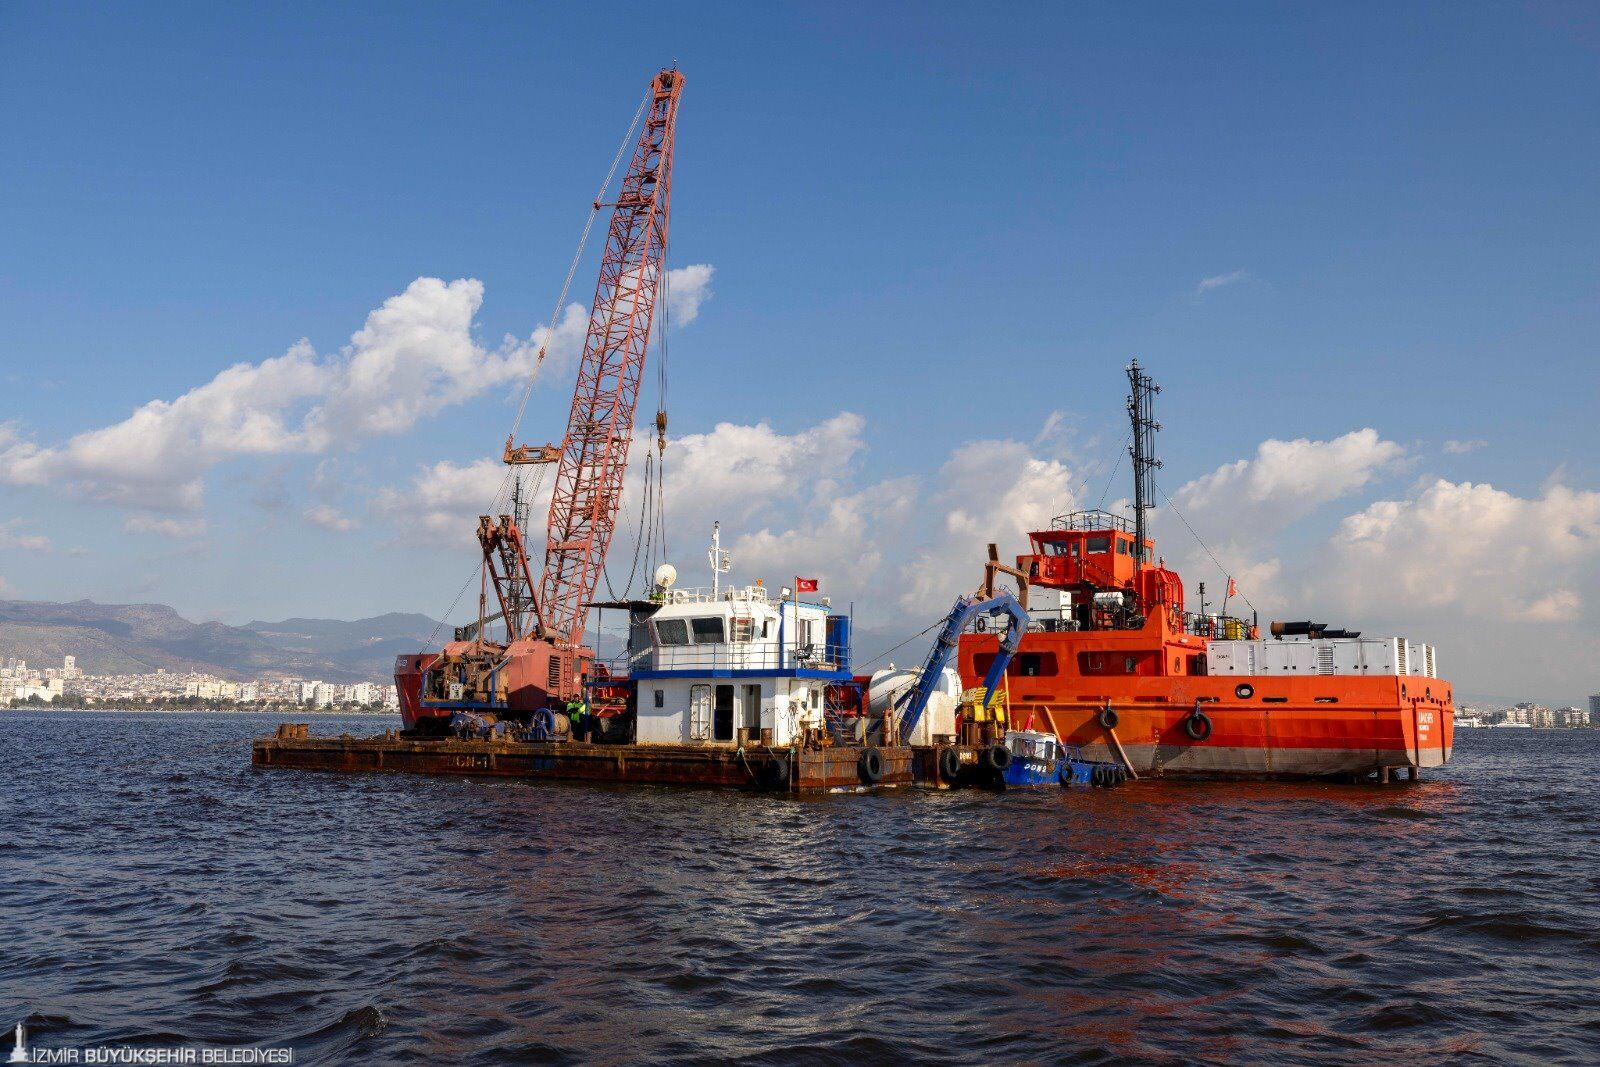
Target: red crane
pixel 543 658
pixel 594 455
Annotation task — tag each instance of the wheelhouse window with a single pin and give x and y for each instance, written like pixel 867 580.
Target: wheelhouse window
pixel 1097 544
pixel 708 630
pixel 672 631
pixel 1053 548
pixel 1122 546
pixel 1034 665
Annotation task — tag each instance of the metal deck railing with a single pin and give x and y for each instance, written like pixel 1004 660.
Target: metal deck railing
pixel 1093 519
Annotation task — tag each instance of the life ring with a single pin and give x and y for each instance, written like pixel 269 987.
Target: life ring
pixel 1197 725
pixel 997 757
pixel 870 765
pixel 1108 718
pixel 949 764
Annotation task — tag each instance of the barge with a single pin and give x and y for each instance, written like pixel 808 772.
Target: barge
pixel 833 769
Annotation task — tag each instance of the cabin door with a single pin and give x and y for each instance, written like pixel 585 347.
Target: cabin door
pixel 722 714
pixel 699 713
pixel 752 708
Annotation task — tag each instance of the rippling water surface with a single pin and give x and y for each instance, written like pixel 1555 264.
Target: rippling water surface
pixel 157 889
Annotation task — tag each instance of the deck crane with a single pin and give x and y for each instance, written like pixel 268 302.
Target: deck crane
pixel 915 700
pixel 543 659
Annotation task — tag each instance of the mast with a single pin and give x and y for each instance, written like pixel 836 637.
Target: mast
pixel 1141 410
pixel 721 561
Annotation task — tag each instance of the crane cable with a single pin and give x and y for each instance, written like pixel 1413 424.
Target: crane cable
pixel 650 536
pixel 544 346
pixel 572 268
pixel 1198 541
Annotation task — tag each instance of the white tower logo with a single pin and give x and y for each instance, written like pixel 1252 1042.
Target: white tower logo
pixel 19 1054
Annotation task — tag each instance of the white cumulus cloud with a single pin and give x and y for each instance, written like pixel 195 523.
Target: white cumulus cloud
pixel 988 491
pixel 11 536
pixel 330 518
pixel 141 522
pixel 736 469
pixel 688 288
pixel 1470 549
pixel 415 355
pixel 443 501
pixel 1285 481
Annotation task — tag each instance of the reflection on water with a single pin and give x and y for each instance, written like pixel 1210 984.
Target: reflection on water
pixel 159 889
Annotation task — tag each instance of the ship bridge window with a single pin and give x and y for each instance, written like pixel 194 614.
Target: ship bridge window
pixel 1054 548
pixel 1097 544
pixel 708 630
pixel 1122 547
pixel 1026 665
pixel 672 631
pixel 1035 664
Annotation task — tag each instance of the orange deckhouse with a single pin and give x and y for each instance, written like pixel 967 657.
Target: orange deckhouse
pixel 1113 662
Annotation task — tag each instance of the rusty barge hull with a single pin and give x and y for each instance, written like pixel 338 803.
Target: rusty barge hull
pixel 778 770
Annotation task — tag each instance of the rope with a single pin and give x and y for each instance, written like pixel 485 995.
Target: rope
pixel 902 644
pixel 544 346
pixel 1122 450
pixel 1202 544
pixel 572 268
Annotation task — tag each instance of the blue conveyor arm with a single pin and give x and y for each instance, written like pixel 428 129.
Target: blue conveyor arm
pixel 915 700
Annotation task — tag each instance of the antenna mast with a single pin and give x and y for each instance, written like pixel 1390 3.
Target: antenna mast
pixel 1141 410
pixel 721 561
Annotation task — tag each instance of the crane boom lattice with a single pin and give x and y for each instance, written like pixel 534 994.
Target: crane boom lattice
pixel 594 454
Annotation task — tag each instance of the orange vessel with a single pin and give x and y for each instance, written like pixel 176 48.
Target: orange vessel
pixel 1113 662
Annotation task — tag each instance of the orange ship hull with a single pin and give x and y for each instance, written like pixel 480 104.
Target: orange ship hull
pixel 1260 726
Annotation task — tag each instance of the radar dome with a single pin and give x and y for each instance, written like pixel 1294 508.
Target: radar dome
pixel 666 574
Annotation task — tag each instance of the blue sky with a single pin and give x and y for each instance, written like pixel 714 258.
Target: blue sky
pixel 956 222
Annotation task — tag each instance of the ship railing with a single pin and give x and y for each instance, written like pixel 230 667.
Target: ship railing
pixel 702 594
pixel 752 657
pixel 1093 519
pixel 1218 627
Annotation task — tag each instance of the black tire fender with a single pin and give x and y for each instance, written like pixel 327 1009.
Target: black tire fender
pixel 775 773
pixel 870 765
pixel 949 764
pixel 1109 718
pixel 997 757
pixel 1197 725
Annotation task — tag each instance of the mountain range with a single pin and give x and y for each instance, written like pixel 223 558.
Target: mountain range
pixel 139 638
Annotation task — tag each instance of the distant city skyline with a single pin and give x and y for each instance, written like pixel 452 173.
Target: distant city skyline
pixel 70 684
pixel 263 341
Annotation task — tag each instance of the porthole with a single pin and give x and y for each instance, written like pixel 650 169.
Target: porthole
pixel 1244 692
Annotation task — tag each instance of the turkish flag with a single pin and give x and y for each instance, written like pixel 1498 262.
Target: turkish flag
pixel 805 585
pixel 1233 588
